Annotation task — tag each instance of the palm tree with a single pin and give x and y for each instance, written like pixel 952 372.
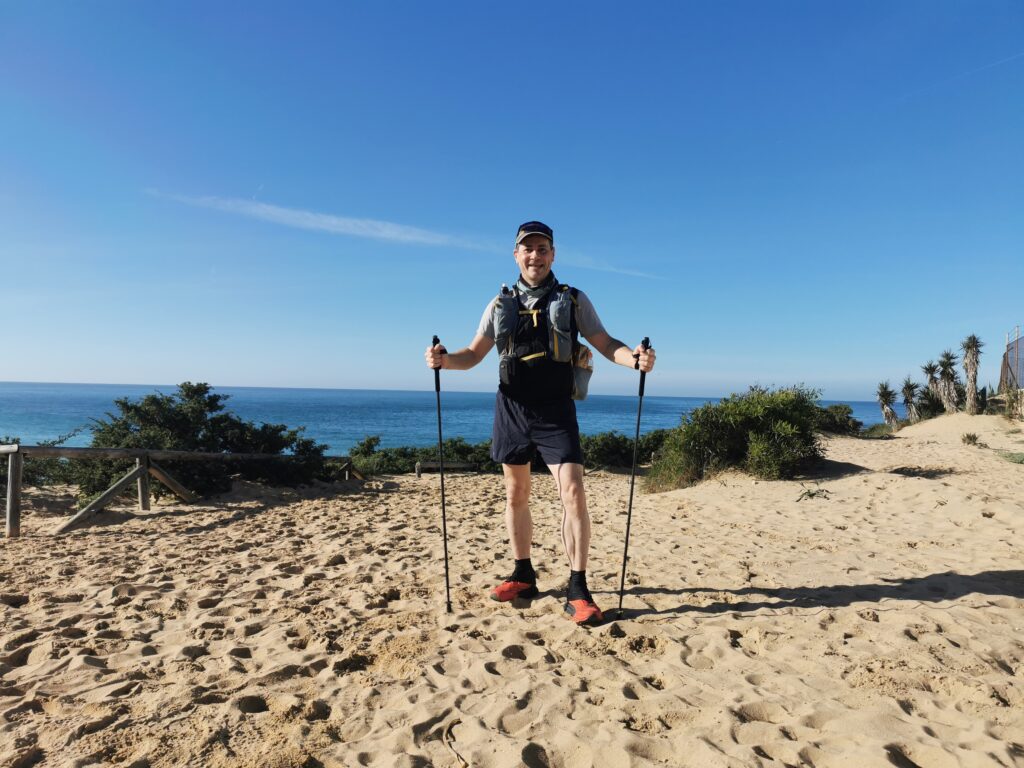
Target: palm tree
pixel 886 397
pixel 947 381
pixel 972 354
pixel 931 371
pixel 909 393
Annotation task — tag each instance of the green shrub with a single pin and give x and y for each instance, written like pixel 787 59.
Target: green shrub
pixel 38 471
pixel 877 432
pixel 608 449
pixel 929 405
pixel 769 433
pixel 969 438
pixel 369 459
pixel 193 419
pixel 838 420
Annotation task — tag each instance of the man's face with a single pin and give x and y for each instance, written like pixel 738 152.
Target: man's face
pixel 535 255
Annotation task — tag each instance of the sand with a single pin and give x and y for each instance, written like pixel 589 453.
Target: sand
pixel 869 615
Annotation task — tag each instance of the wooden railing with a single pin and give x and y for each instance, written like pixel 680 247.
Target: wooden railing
pixel 145 467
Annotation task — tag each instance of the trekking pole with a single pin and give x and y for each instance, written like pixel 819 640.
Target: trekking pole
pixel 645 344
pixel 440 464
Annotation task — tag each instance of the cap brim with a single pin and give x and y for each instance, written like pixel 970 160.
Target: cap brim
pixel 524 235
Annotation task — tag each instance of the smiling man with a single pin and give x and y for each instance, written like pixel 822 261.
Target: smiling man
pixel 535 326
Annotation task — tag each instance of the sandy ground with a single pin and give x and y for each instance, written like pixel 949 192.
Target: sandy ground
pixel 877 620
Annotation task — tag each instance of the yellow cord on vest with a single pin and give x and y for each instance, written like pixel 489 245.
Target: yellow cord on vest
pixel 533 312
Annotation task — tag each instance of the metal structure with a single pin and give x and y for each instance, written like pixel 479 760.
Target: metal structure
pixel 1011 373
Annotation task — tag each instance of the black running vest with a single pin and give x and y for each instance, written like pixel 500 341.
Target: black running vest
pixel 527 373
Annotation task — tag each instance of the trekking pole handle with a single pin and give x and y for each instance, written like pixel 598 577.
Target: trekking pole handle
pixel 437 371
pixel 645 345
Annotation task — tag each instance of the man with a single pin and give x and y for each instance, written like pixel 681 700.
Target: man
pixel 534 410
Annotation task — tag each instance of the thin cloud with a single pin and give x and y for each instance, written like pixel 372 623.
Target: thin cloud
pixel 368 228
pixel 585 262
pixel 322 222
pixel 960 76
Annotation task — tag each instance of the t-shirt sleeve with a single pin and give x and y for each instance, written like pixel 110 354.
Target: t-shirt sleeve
pixel 486 327
pixel 586 317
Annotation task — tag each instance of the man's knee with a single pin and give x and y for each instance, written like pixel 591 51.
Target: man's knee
pixel 517 488
pixel 570 486
pixel 517 495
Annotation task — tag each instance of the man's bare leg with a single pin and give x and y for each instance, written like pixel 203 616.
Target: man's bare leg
pixel 523 581
pixel 517 509
pixel 575 518
pixel 579 603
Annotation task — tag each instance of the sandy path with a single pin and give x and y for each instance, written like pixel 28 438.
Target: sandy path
pixel 877 623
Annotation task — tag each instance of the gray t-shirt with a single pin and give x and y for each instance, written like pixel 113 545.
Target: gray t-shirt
pixel 587 320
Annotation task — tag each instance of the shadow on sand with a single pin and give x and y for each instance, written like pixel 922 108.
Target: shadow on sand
pixel 935 587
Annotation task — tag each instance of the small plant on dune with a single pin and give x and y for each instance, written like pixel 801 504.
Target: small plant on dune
pixel 769 433
pixel 970 438
pixel 971 347
pixel 886 398
pixel 877 432
pixel 1013 409
pixel 1016 458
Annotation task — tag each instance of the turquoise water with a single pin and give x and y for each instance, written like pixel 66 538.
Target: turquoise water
pixel 338 417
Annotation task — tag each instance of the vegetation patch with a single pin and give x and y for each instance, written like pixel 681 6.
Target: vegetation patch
pixel 771 434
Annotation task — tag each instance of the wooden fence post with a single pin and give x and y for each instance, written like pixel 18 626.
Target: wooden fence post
pixel 14 464
pixel 143 464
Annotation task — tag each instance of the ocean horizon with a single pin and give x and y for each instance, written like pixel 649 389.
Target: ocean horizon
pixel 36 412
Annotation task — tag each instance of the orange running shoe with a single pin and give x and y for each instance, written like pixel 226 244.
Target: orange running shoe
pixel 584 612
pixel 510 590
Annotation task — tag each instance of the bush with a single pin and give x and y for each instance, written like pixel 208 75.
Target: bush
pixel 877 432
pixel 607 449
pixel 37 471
pixel 769 433
pixel 969 438
pixel 838 420
pixel 371 460
pixel 929 405
pixel 194 419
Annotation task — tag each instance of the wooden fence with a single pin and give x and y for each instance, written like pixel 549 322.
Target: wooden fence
pixel 145 467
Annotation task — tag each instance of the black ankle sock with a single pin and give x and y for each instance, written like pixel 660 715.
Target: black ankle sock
pixel 524 572
pixel 578 586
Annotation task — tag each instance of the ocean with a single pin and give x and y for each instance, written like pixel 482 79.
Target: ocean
pixel 35 412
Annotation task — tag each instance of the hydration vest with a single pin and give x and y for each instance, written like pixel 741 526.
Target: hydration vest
pixel 538 346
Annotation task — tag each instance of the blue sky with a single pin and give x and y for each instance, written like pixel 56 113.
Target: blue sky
pixel 302 194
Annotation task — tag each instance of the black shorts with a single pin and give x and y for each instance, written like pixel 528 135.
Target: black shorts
pixel 520 429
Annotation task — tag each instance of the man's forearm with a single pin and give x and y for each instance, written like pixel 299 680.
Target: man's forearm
pixel 618 352
pixel 462 360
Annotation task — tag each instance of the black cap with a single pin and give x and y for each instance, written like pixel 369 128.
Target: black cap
pixel 534 228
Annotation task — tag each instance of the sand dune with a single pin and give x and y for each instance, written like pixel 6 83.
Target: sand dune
pixel 869 615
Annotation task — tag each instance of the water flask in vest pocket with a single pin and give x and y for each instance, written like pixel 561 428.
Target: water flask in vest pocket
pixel 582 370
pixel 560 328
pixel 508 368
pixel 506 316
